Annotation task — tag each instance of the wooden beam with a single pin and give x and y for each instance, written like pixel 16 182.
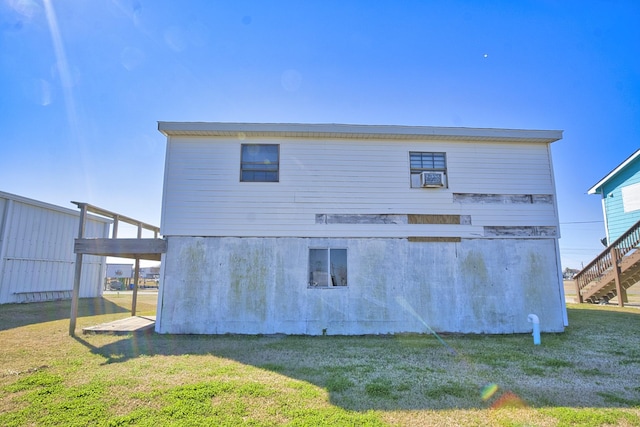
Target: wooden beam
pixel 77 276
pixel 136 277
pixel 578 291
pixel 109 214
pixel 149 249
pixel 434 239
pixel 433 219
pixel 616 272
pixel 134 297
pixel 116 219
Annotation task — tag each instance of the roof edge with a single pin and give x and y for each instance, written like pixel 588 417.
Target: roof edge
pixel 598 185
pixel 49 206
pixel 354 131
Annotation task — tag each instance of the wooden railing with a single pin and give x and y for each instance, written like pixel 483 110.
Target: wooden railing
pixel 608 259
pixel 79 249
pixel 117 218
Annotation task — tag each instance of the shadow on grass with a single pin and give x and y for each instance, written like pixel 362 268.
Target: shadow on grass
pixel 405 372
pixel 17 315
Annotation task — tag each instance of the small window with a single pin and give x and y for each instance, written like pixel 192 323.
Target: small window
pixel 259 163
pixel 426 162
pixel 327 268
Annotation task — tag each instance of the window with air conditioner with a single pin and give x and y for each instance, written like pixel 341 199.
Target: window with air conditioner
pixel 428 169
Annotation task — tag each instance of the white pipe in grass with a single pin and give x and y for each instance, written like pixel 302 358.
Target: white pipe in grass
pixel 536 328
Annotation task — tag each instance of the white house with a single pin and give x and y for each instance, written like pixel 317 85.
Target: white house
pixel 36 251
pixel 351 229
pixel 119 271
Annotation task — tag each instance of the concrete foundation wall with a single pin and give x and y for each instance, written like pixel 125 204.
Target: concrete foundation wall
pixel 223 285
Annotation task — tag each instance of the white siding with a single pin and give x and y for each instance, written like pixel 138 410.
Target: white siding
pixel 203 195
pixel 36 251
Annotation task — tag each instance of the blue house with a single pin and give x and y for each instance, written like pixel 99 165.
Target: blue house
pixel 617 268
pixel 620 191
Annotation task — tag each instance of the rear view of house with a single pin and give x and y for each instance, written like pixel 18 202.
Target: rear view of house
pixel 349 229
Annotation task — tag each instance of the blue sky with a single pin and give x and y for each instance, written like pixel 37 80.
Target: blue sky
pixel 83 84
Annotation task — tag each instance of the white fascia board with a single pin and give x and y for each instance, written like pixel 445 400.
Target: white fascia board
pixel 598 186
pixel 356 131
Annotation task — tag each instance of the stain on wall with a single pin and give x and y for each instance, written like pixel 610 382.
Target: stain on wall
pixel 192 286
pixel 259 285
pixel 502 198
pixel 520 231
pixel 487 295
pixel 250 277
pixel 360 219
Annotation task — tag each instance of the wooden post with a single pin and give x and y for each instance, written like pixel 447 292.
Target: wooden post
pixel 616 269
pixel 136 277
pixel 578 293
pixel 78 274
pixel 114 235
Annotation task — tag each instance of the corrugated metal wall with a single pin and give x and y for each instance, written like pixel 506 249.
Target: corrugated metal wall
pixel 36 251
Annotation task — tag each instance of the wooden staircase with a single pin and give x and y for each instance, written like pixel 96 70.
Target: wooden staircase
pixel 612 272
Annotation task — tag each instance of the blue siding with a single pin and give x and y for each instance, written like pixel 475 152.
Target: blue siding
pixel 619 221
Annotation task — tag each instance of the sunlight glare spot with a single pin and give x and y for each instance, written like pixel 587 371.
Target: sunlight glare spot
pixel 488 391
pixel 62 65
pixel 508 400
pixel 405 304
pixel 26 8
pixel 67 87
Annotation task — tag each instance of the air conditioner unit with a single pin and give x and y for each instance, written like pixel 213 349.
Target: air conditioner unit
pixel 431 179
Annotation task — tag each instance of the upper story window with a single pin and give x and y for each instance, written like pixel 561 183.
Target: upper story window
pixel 424 162
pixel 260 163
pixel 434 165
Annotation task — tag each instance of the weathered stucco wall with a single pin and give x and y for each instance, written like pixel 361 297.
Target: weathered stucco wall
pixel 259 285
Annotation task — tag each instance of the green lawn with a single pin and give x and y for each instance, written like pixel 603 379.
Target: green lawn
pixel 589 375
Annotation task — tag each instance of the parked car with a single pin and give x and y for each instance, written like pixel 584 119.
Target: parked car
pixel 116 285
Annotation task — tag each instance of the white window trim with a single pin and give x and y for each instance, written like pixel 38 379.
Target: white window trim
pixel 414 177
pixel 242 163
pixel 329 285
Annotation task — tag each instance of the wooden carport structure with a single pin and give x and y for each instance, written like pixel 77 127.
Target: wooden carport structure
pixel 138 248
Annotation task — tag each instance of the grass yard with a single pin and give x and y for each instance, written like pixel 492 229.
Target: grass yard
pixel 587 376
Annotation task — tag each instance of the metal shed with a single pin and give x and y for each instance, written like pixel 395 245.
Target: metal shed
pixel 36 251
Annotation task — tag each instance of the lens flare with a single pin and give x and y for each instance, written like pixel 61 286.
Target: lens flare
pixel 488 391
pixel 509 400
pixel 405 304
